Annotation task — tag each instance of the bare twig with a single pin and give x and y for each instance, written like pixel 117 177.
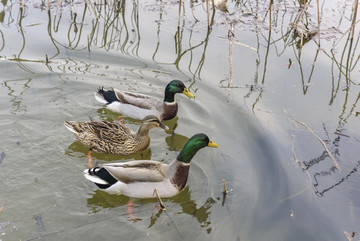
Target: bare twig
pixel 179 14
pixel 297 194
pixel 345 33
pixel 312 132
pixel 93 8
pixel 318 18
pixel 207 12
pixel 2 206
pixel 231 39
pixel 294 155
pixel 341 134
pixel 224 186
pixel 354 19
pixel 239 43
pixel 349 236
pixel 160 201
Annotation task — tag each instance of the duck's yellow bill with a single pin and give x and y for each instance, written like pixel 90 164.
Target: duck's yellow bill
pixel 187 93
pixel 212 144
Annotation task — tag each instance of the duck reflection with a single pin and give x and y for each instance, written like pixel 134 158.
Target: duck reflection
pixel 101 199
pixel 78 150
pixel 174 141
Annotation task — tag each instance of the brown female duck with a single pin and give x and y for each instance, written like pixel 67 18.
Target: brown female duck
pixel 113 137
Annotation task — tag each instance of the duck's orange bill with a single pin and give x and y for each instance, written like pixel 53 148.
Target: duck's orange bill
pixel 187 93
pixel 212 144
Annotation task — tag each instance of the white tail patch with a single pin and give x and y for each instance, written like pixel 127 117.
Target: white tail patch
pixel 94 179
pixel 70 127
pixel 100 98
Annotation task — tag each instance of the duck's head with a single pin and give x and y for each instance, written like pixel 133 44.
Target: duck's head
pixel 195 143
pixel 176 86
pixel 150 122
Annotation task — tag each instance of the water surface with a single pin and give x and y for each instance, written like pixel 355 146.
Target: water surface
pixel 245 75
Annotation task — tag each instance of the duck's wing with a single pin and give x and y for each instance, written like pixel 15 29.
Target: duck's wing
pixel 136 171
pixel 138 100
pixel 78 127
pixel 112 131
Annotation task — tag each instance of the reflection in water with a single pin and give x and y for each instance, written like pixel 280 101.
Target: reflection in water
pixel 115 27
pixel 296 27
pixel 185 49
pixel 16 99
pixel 175 141
pixel 76 147
pixel 188 206
pixel 317 175
pixel 76 32
pixel 105 200
pixel 329 178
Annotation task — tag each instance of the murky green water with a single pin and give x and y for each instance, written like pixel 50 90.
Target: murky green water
pixel 284 185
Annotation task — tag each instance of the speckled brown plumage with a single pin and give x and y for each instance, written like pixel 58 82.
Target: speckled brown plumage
pixel 113 137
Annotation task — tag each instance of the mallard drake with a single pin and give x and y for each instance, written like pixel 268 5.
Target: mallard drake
pixel 140 178
pixel 113 137
pixel 138 106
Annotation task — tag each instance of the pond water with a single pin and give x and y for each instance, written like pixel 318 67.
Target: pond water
pixel 276 103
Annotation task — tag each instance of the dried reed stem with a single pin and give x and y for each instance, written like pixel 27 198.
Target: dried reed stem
pixel 350 28
pixel 207 12
pixel 93 8
pixel 2 206
pixel 349 236
pixel 224 186
pixel 271 3
pixel 160 201
pixel 312 132
pixel 231 39
pixel 318 18
pixel 354 19
pixel 179 14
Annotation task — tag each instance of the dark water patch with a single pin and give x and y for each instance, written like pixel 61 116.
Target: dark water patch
pixel 2 156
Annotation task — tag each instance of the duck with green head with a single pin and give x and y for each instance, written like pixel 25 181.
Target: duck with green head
pixel 140 178
pixel 138 106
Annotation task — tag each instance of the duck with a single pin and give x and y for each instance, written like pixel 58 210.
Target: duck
pixel 114 137
pixel 137 106
pixel 141 178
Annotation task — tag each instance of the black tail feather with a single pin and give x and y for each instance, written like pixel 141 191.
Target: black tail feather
pixel 109 95
pixel 104 175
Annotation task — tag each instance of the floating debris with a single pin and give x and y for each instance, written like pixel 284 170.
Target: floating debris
pixel 349 236
pixel 290 63
pixel 3 225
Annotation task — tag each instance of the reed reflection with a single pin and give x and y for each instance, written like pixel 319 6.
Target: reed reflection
pixel 324 177
pixel 17 94
pixel 109 26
